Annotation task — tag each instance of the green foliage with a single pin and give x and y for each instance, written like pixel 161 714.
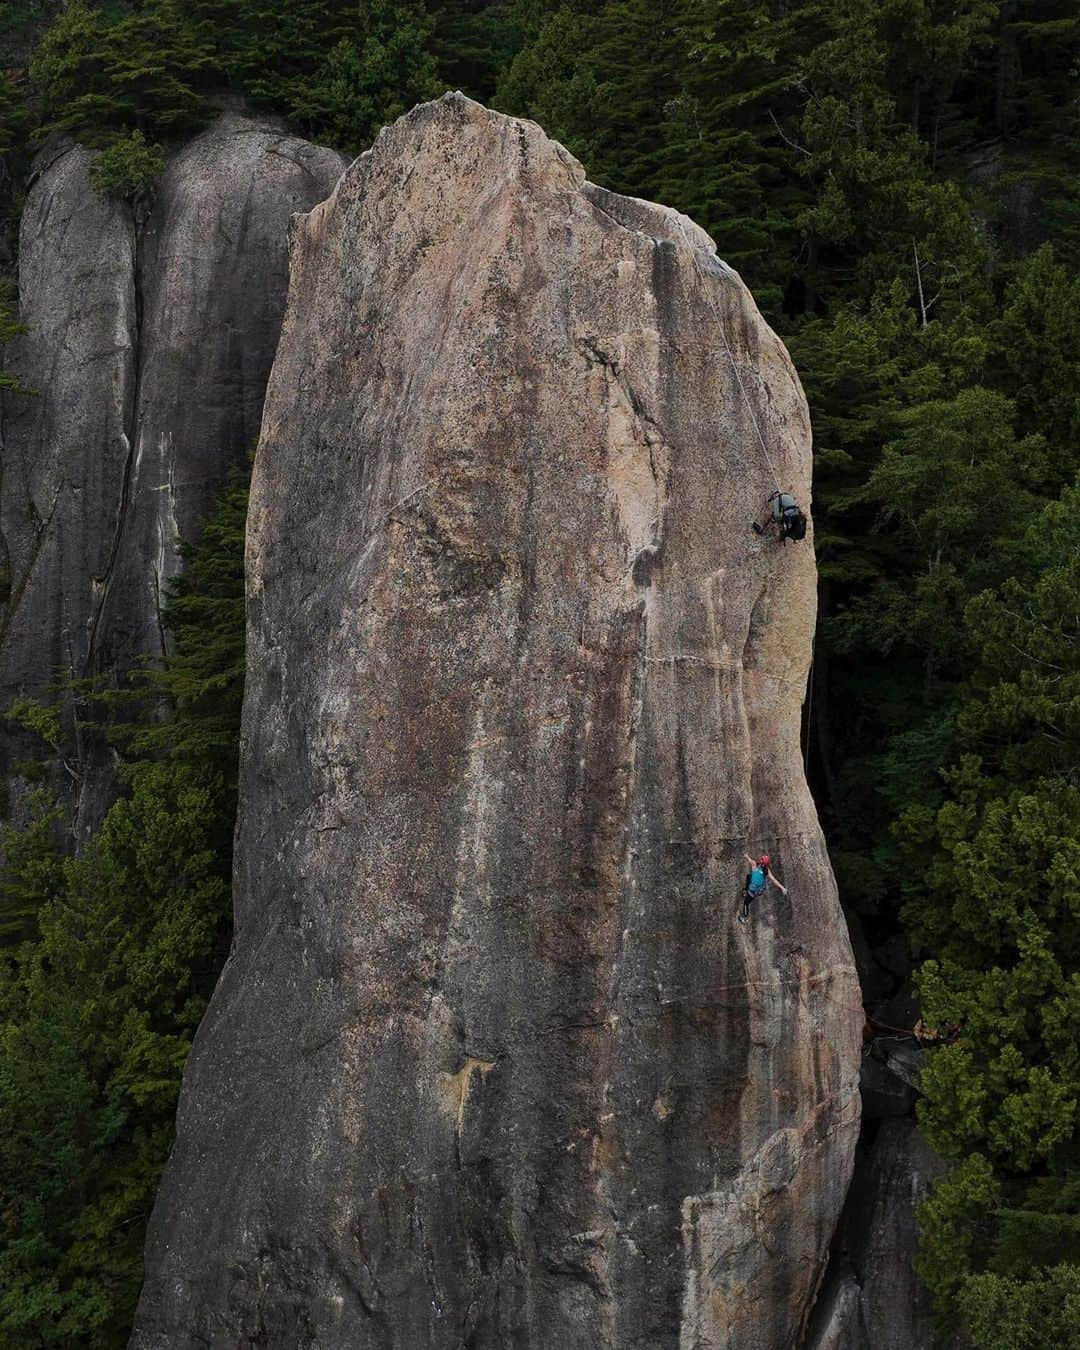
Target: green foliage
pixel 110 958
pixel 10 328
pixel 1004 1314
pixel 97 1019
pixel 994 893
pixel 14 117
pixel 32 874
pixel 41 719
pixel 1039 343
pixel 951 1220
pixel 202 681
pixel 102 69
pixel 19 17
pixel 127 166
pixel 336 69
pixel 673 101
pixel 473 41
pixel 1042 1231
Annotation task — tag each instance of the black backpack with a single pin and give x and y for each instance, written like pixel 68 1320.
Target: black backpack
pixel 794 523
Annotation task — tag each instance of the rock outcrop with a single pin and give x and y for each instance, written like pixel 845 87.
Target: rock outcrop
pixel 873 1299
pixel 65 442
pixel 891 1071
pixel 147 353
pixel 491 1063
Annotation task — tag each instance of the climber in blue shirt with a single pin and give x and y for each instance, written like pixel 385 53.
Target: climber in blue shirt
pixel 756 878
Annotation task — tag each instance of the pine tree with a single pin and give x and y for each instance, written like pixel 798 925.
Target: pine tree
pixel 472 42
pixel 110 960
pixel 99 70
pixel 996 897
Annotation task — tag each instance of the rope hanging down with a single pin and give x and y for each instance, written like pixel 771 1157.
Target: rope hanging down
pixel 695 253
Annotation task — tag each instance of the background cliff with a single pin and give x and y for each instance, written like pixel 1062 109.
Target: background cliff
pixel 146 353
pixel 491 1061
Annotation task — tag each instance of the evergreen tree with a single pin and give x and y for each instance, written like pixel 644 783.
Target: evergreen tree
pixel 32 873
pixel 201 683
pixel 96 1019
pixel 337 69
pixel 99 70
pixel 472 42
pixel 116 953
pixel 994 894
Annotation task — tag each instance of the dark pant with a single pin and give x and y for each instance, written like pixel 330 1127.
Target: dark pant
pixel 748 897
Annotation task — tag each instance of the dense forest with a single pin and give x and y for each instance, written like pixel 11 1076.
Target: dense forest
pixel 899 183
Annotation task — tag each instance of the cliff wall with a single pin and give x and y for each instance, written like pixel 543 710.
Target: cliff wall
pixel 147 351
pixel 492 1063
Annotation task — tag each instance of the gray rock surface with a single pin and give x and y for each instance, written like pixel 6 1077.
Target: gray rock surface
pixel 889 1081
pixel 837 1323
pixel 904 1059
pixel 491 1063
pixel 883 1093
pixel 213 277
pixel 872 1298
pixel 148 353
pixel 66 442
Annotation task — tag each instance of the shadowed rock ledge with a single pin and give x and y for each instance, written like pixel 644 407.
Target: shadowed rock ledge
pixel 491 1063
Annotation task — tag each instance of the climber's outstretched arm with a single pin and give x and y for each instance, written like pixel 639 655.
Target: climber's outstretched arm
pixel 780 884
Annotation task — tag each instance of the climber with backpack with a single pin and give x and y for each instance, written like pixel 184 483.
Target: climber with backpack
pixel 784 513
pixel 755 884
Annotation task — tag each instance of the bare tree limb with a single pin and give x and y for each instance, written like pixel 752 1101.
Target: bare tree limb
pixel 918 278
pixel 787 139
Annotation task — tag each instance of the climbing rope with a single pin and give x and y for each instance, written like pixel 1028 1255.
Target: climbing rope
pixel 809 716
pixel 710 295
pixel 695 255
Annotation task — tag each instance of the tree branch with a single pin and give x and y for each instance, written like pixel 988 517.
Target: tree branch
pixel 787 139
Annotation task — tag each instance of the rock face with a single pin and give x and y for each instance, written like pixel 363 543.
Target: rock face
pixel 66 445
pixel 836 1324
pixel 147 352
pixel 891 1071
pixel 491 1063
pixel 873 1300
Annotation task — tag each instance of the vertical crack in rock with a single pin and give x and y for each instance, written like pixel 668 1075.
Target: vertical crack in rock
pixel 149 357
pixel 491 1062
pixel 872 1295
pixel 64 447
pixel 100 583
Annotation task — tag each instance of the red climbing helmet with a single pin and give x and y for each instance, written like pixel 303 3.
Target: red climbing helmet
pixel 764 860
